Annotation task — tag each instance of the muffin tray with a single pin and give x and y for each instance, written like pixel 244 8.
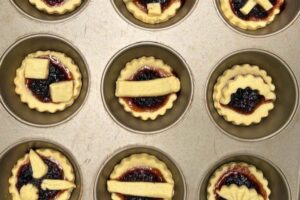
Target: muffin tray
pixel 95 133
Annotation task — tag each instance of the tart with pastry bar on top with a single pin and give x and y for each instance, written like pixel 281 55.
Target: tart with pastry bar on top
pixel 238 181
pixel 251 14
pixel 48 81
pixel 153 11
pixel 244 94
pixel 141 176
pixel 147 88
pixel 56 6
pixel 42 174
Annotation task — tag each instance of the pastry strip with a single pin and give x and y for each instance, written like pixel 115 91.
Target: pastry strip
pixel 144 189
pixel 151 88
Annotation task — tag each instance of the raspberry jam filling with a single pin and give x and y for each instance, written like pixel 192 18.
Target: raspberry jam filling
pixel 141 175
pixel 40 87
pixel 54 2
pixel 246 100
pixel 240 176
pixel 142 4
pixel 147 104
pixel 25 177
pixel 256 14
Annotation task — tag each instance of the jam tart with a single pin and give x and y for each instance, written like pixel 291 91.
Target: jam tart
pixel 147 88
pixel 251 14
pixel 48 81
pixel 42 174
pixel 244 95
pixel 153 11
pixel 56 6
pixel 238 181
pixel 141 176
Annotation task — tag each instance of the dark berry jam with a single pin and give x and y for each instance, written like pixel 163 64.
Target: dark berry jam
pixel 257 13
pixel 147 104
pixel 246 100
pixel 240 176
pixel 25 177
pixel 142 175
pixel 40 87
pixel 142 4
pixel 54 2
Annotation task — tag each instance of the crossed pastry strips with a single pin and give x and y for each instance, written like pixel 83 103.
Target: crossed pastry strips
pixel 246 9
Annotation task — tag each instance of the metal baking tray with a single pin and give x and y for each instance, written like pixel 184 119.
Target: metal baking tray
pixel 192 139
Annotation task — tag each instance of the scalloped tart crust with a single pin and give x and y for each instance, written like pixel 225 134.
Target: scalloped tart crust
pixel 248 24
pixel 246 192
pixel 66 6
pixel 242 76
pixel 52 155
pixel 140 160
pixel 27 96
pixel 132 68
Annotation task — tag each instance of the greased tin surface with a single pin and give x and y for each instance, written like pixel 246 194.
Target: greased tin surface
pixel 195 143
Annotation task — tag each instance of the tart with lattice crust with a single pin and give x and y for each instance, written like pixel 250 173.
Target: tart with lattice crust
pixel 238 181
pixel 42 174
pixel 147 88
pixel 56 6
pixel 251 14
pixel 48 81
pixel 153 11
pixel 141 176
pixel 244 95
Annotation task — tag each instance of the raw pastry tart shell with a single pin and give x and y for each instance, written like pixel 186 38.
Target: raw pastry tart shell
pixel 140 160
pixel 53 155
pixel 237 118
pixel 225 168
pixel 130 69
pixel 26 95
pixel 248 24
pixel 67 6
pixel 146 18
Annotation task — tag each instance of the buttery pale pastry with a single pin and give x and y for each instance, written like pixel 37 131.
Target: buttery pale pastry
pixel 147 88
pixel 56 6
pixel 141 175
pixel 244 95
pixel 251 14
pixel 42 174
pixel 48 81
pixel 153 11
pixel 238 181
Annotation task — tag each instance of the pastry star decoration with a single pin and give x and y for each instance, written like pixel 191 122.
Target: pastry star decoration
pixel 246 9
pixel 40 169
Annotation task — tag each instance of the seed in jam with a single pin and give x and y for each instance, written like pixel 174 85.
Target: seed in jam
pixel 245 100
pixel 40 87
pixel 257 13
pixel 25 177
pixel 54 2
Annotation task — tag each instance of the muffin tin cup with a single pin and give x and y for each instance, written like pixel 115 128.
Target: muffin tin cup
pixel 277 182
pixel 281 22
pixel 112 72
pixel 287 95
pixel 30 11
pixel 12 154
pixel 100 189
pixel 12 59
pixel 180 16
